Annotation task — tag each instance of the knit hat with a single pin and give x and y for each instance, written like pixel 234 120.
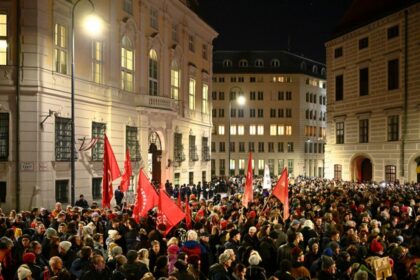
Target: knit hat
pixel 376 246
pixel 328 252
pixel 23 272
pixel 50 232
pixel 223 258
pixel 66 245
pixel 28 258
pixel 327 262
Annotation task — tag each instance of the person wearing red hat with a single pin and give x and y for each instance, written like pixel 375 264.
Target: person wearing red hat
pixel 376 248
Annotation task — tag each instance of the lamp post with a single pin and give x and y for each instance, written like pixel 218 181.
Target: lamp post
pixel 91 23
pixel 241 101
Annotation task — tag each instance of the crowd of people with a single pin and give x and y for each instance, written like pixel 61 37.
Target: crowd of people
pixel 336 230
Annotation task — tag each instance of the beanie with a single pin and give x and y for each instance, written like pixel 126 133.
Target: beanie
pixel 50 232
pixel 23 272
pixel 28 258
pixel 66 245
pixel 376 246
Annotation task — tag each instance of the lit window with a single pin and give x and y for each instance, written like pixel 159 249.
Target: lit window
pixel 280 130
pixel 97 61
pixel 60 48
pixel 241 130
pixel 260 130
pixel 205 99
pixel 233 129
pixel 273 130
pixel 252 130
pixel 191 94
pixel 127 64
pixel 241 164
pixel 153 73
pixel 261 166
pixel 221 130
pixel 288 130
pixel 3 39
pixel 175 80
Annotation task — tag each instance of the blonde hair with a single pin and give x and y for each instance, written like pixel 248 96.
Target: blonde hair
pixel 173 241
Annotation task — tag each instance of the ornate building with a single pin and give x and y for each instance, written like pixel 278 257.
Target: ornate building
pixel 373 66
pixel 144 81
pixel 282 121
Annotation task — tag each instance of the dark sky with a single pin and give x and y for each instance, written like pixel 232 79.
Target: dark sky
pixel 274 24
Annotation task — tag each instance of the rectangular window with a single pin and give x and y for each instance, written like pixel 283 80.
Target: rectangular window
pixel 290 166
pixel 390 173
pixel 205 100
pixel 4 136
pixel 280 113
pixel 272 113
pixel 261 167
pixel 3 192
pixel 288 130
pixel 261 113
pixel 252 130
pixel 251 147
pixel 280 147
pixel 213 167
pixel 221 95
pixel 271 147
pixel 363 43
pixel 62 139
pixel 221 130
pixel 252 79
pixel 204 52
pixel 252 113
pixel 98 131
pixel 241 166
pixel 179 155
pixel 96 188
pixel 242 147
pixel 191 94
pixel 241 130
pixel 221 113
pixel 127 65
pixel 177 177
pixel 233 129
pixel 338 52
pixel 339 133
pixel 191 43
pixel 154 18
pixel 290 148
pixel 393 128
pixel 260 95
pixel 191 178
pixel 60 48
pixel 176 81
pixel 288 95
pixel 214 95
pixel 233 113
pixel 393 31
pixel 240 113
pixel 280 130
pixel 232 147
pixel 222 147
pixel 232 167
pixel 339 90
pixel 62 191
pixel 232 95
pixel 3 39
pixel 213 147
pixel 222 167
pixel 280 95
pixel 252 95
pixel 288 113
pixel 128 6
pixel 261 147
pixel 97 61
pixel 273 130
pixel 364 81
pixel 132 143
pixel 393 74
pixel 364 131
pixel 260 130
pixel 192 148
pixel 337 171
pixel 280 166
pixel 175 32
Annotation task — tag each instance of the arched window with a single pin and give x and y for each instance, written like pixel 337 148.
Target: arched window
pixel 259 63
pixel 227 63
pixel 314 69
pixel 243 63
pixel 127 64
pixel 323 71
pixel 175 80
pixel 153 73
pixel 303 66
pixel 275 63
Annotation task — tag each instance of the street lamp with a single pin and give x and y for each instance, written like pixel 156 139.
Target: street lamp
pixel 240 101
pixel 92 24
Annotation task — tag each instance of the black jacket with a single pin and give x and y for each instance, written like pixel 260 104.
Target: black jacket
pixel 218 272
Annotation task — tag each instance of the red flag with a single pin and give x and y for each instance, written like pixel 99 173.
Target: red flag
pixel 169 213
pixel 128 172
pixel 248 192
pixel 111 172
pixel 146 199
pixel 179 198
pixel 187 213
pixel 281 191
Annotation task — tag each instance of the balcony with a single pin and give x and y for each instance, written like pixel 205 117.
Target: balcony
pixel 193 154
pixel 157 102
pixel 206 154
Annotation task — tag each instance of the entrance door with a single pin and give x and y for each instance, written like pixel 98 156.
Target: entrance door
pixel 362 169
pixel 366 170
pixel 156 163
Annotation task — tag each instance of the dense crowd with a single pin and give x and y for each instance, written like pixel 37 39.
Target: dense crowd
pixel 336 230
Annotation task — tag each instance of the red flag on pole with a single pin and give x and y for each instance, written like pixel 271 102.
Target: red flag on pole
pixel 187 213
pixel 281 191
pixel 111 172
pixel 169 213
pixel 248 192
pixel 179 198
pixel 128 172
pixel 146 199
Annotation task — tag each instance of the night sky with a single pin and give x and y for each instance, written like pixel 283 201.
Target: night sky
pixel 304 25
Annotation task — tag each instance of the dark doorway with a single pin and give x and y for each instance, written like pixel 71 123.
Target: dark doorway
pixel 156 163
pixel 418 169
pixel 366 170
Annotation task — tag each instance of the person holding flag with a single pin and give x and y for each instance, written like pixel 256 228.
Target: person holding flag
pixel 248 192
pixel 110 173
pixel 281 191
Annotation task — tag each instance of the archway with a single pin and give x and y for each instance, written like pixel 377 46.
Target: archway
pixel 362 169
pixel 417 160
pixel 155 157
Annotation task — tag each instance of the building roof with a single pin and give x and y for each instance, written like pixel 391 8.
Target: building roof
pixel 363 12
pixel 266 62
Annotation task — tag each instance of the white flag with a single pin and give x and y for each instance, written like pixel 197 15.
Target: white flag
pixel 267 178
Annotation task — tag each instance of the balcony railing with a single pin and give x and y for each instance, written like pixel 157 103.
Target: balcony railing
pixel 193 154
pixel 206 154
pixel 157 102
